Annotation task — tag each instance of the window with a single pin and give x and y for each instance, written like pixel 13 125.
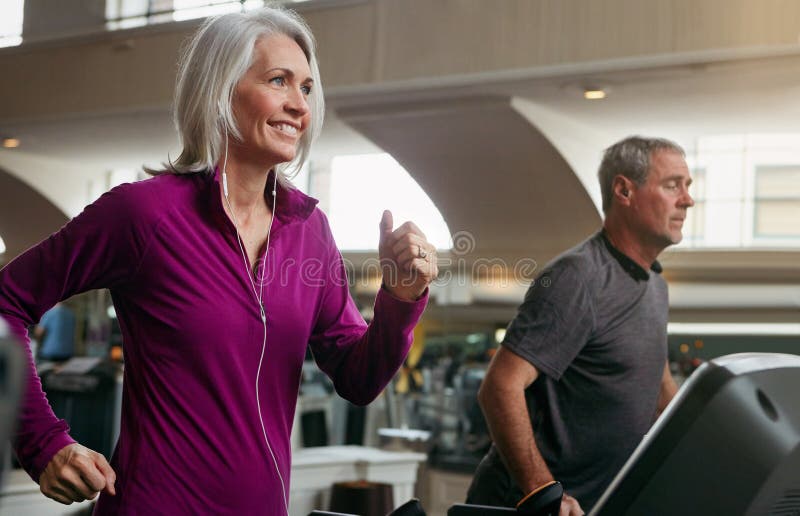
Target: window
pixel 777 202
pixel 190 9
pixel 694 228
pixel 122 14
pixel 11 16
pixel 362 186
pixel 746 190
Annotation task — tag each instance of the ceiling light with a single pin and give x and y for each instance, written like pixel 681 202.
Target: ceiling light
pixel 594 94
pixel 589 88
pixel 10 143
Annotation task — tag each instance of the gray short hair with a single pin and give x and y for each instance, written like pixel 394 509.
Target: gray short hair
pixel 631 158
pixel 216 58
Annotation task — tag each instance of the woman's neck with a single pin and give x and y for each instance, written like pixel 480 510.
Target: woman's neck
pixel 246 182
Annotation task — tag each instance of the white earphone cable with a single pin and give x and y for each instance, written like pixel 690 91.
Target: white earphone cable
pixel 259 295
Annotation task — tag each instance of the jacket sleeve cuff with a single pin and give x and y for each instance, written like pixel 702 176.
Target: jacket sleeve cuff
pixel 41 461
pixel 412 309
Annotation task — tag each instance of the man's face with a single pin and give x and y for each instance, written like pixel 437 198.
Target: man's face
pixel 660 204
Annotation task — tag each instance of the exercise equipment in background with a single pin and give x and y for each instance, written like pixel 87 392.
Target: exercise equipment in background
pixel 12 377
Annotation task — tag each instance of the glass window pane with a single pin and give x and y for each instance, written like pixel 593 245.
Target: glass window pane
pixel 695 223
pixel 698 187
pixel 778 182
pixel 723 220
pixel 381 184
pixel 11 12
pixel 778 219
pixel 157 6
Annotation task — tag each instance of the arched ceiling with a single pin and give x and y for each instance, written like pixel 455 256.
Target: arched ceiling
pixel 484 158
pixel 488 170
pixel 19 203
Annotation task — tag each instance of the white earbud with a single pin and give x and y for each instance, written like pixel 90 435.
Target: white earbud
pixel 224 167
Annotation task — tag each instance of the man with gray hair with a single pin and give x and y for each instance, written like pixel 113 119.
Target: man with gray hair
pixel 582 372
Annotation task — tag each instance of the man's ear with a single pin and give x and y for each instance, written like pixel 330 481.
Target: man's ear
pixel 622 188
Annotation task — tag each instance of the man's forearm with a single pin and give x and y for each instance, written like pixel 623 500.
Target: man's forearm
pixel 510 425
pixel 667 391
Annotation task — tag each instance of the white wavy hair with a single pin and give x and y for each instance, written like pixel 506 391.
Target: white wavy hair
pixel 216 58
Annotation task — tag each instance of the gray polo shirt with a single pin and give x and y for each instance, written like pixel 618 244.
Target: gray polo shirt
pixel 594 324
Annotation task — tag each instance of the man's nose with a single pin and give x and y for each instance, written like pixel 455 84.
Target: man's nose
pixel 687 199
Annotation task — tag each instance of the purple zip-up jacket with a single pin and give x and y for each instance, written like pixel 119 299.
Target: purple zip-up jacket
pixel 191 440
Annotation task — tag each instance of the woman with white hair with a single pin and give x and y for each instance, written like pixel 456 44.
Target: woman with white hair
pixel 221 274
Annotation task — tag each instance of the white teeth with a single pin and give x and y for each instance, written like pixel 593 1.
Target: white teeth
pixel 286 128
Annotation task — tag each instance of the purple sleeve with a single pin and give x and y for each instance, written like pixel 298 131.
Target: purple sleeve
pixel 96 249
pixel 361 359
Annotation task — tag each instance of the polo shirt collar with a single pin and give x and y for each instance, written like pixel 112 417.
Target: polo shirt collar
pixel 628 264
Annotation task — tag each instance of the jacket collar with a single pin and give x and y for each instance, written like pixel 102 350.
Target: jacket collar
pixel 293 205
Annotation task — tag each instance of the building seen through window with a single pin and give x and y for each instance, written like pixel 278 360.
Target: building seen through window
pixel 11 15
pixel 747 192
pixel 777 202
pixel 123 14
pixel 694 227
pixel 362 186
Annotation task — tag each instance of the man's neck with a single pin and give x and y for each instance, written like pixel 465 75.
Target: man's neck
pixel 626 241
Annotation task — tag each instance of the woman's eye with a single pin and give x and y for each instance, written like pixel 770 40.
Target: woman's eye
pixel 279 81
pixel 306 90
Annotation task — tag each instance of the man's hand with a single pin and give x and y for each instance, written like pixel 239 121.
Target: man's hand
pixel 408 260
pixel 75 474
pixel 570 507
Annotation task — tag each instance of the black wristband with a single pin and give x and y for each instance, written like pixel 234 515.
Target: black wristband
pixel 542 501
